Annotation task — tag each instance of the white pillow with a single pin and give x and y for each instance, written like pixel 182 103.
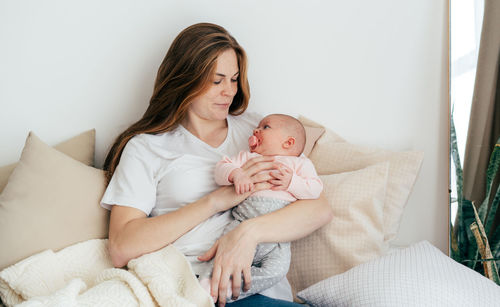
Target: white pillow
pixel 420 275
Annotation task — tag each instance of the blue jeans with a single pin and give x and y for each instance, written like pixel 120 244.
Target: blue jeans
pixel 257 300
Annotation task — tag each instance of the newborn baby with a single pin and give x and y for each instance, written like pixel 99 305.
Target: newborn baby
pixel 284 137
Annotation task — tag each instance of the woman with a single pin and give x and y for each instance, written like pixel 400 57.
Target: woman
pixel 162 167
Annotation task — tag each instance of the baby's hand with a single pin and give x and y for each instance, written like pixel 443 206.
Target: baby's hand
pixel 242 182
pixel 282 178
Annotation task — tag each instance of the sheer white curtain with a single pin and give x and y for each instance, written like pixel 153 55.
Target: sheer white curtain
pixel 466 18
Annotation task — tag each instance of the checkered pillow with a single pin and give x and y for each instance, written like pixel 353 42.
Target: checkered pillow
pixel 420 275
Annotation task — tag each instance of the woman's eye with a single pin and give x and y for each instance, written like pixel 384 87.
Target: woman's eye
pixel 234 80
pixel 217 82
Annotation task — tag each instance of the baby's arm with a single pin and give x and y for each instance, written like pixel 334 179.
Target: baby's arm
pixel 305 182
pixel 302 181
pixel 228 171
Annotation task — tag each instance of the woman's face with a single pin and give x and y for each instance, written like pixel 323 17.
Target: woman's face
pixel 214 103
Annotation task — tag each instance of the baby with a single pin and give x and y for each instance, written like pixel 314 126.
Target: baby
pixel 284 137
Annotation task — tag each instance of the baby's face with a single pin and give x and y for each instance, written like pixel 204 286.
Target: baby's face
pixel 268 137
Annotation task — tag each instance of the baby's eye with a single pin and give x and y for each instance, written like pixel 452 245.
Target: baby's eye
pixel 266 126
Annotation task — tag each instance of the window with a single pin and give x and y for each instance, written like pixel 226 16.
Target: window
pixel 466 17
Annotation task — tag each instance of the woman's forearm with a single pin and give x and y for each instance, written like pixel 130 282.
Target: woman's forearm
pixel 233 252
pixel 293 222
pixel 132 235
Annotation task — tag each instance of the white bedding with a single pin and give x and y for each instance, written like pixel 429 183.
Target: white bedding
pixel 419 275
pixel 82 275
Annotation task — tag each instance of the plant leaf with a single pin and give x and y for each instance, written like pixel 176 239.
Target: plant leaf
pixel 459 239
pixel 495 245
pixel 469 250
pixel 456 158
pixel 491 172
pixel 490 267
pixel 490 218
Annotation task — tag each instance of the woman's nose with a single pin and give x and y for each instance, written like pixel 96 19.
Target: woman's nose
pixel 230 88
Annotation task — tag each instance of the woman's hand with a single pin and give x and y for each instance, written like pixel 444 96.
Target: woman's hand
pixel 281 178
pixel 255 167
pixel 233 255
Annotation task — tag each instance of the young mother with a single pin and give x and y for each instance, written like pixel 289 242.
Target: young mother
pixel 161 187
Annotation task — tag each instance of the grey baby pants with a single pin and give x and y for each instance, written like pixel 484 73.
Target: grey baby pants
pixel 272 260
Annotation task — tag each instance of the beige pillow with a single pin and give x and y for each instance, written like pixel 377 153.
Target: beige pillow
pixel 51 201
pixel 80 147
pixel 332 154
pixel 328 137
pixel 355 234
pixel 403 171
pixel 312 136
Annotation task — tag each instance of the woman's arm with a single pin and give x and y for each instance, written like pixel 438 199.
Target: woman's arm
pixel 132 233
pixel 233 253
pixel 293 222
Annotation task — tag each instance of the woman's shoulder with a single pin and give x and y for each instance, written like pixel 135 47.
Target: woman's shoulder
pixel 146 144
pixel 144 140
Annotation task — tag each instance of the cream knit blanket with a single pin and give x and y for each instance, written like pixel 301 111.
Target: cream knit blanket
pixel 82 275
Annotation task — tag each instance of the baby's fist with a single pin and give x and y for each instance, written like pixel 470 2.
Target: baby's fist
pixel 242 182
pixel 243 185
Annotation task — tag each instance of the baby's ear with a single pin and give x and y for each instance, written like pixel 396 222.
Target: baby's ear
pixel 290 141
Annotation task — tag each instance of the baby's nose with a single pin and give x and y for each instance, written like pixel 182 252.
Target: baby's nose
pixel 256 131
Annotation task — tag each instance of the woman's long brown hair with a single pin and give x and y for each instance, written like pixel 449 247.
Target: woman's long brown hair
pixel 185 73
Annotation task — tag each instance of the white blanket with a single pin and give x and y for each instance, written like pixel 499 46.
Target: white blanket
pixel 82 275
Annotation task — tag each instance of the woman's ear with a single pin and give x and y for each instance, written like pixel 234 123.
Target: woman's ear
pixel 290 141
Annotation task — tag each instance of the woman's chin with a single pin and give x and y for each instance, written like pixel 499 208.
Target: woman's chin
pixel 220 115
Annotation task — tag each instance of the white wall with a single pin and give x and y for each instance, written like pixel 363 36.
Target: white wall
pixel 373 71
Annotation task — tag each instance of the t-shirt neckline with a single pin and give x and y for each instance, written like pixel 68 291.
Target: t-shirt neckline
pixel 196 139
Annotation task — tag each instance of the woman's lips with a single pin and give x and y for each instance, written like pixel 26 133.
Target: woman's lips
pixel 223 105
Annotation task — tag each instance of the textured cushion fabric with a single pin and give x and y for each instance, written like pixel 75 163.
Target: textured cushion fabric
pixel 403 171
pixel 51 201
pixel 420 275
pixel 80 147
pixel 354 235
pixel 332 154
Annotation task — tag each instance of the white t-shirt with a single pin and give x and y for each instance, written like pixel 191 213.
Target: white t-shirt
pixel 161 173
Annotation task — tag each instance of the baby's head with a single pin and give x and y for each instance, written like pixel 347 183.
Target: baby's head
pixel 278 135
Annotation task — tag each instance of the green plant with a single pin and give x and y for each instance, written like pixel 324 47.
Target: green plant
pixel 474 237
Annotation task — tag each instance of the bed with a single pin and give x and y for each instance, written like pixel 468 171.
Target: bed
pixel 58 255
